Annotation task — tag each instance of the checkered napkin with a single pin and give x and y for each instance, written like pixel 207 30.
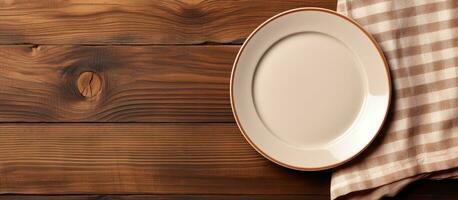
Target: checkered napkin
pixel 420 138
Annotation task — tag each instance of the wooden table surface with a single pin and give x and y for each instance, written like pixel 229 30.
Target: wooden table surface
pixel 130 100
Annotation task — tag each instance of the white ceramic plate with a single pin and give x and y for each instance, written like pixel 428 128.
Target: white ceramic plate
pixel 310 89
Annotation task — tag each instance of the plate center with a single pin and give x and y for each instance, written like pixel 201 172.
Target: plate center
pixel 308 89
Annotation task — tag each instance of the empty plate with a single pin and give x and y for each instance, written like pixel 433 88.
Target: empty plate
pixel 310 89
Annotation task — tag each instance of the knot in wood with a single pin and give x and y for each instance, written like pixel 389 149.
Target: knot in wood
pixel 89 84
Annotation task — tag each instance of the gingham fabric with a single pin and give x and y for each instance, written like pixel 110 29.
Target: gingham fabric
pixel 420 137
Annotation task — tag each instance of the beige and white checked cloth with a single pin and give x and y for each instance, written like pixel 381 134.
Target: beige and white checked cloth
pixel 420 138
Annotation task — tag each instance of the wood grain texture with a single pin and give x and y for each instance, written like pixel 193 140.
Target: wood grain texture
pixel 138 21
pixel 421 190
pixel 151 74
pixel 138 84
pixel 145 158
pixel 165 197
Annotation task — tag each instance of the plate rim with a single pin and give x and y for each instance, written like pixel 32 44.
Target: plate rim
pixel 231 90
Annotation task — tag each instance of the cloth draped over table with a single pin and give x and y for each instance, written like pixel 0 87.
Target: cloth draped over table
pixel 420 137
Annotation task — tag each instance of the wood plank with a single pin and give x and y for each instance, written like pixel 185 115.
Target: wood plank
pixel 137 84
pixel 138 21
pixel 430 189
pixel 422 190
pixel 165 197
pixel 141 158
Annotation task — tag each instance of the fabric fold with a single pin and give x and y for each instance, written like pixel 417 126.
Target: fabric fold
pixel 420 137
